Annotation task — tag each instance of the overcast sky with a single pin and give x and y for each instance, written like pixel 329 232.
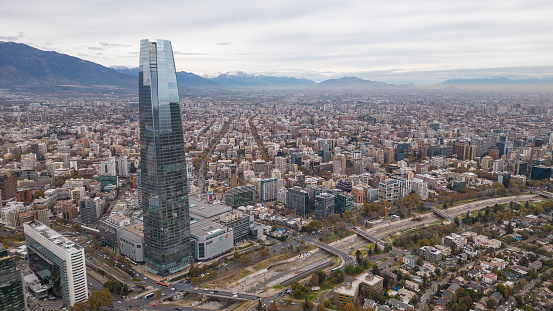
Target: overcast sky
pixel 396 41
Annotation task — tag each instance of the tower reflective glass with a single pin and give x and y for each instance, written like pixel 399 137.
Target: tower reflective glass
pixel 163 162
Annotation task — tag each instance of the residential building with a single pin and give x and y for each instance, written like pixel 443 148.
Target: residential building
pixel 430 254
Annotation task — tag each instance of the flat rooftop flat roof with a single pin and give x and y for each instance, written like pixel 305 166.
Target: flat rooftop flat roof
pixel 206 227
pixel 199 209
pixel 59 240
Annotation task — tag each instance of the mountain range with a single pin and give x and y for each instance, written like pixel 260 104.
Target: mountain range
pixel 23 67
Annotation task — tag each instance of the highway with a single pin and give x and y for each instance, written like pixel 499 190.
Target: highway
pixel 390 228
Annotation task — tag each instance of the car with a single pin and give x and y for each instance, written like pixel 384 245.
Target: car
pixel 177 308
pixel 145 278
pixel 234 296
pixel 234 293
pixel 211 292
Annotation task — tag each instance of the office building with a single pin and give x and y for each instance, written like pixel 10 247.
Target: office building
pixel 12 296
pixel 297 200
pixel 210 239
pixel 241 196
pixel 57 261
pixel 343 201
pixel 540 172
pixel 314 190
pixel 389 190
pixel 163 161
pixel 324 205
pixel 88 211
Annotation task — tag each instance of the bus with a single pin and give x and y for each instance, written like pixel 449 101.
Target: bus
pixel 150 295
pixel 332 270
pixel 162 284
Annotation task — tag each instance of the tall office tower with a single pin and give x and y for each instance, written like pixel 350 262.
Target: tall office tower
pixel 163 175
pixel 57 261
pixel 11 284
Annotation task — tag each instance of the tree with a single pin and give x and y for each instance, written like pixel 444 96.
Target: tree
pixel 376 271
pixel 358 256
pixel 272 307
pixel 321 307
pixel 99 300
pixel 314 280
pixel 307 305
pixel 113 286
pixel 420 261
pixel 264 252
pixel 79 306
pixel 260 306
pixel 158 294
pixel 490 303
pixel 349 307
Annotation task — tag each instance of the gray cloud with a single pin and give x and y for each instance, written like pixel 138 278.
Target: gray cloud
pixel 402 40
pixel 112 45
pixel 184 53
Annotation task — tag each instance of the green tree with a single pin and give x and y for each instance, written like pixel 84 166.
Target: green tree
pixel 158 294
pixel 358 257
pixel 307 305
pixel 260 306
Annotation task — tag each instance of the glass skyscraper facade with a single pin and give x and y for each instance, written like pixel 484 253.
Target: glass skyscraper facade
pixel 11 285
pixel 163 162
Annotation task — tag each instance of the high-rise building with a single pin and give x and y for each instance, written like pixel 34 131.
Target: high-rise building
pixel 297 200
pixel 123 167
pixel 57 261
pixel 343 201
pixel 12 297
pixel 163 161
pixel 8 187
pixel 268 189
pixel 107 167
pixel 324 205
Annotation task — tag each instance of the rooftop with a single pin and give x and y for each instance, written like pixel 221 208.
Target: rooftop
pixel 53 236
pixel 206 227
pixel 200 209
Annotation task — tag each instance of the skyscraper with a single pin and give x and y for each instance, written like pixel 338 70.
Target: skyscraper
pixel 163 175
pixel 11 285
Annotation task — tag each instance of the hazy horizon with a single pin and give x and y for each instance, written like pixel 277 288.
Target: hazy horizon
pixel 420 42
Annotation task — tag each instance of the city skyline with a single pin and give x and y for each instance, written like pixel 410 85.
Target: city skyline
pixel 163 173
pixel 411 42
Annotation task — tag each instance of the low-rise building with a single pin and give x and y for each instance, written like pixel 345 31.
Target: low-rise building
pixel 210 240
